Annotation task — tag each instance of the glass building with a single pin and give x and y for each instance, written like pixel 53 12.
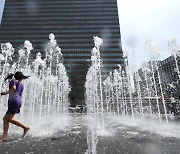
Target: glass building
pixel 74 23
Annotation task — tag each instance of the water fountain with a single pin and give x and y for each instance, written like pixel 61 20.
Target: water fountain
pixel 112 106
pixel 46 92
pixel 118 103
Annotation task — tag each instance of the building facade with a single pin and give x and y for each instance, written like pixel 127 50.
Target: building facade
pixel 74 23
pixel 170 74
pixel 162 77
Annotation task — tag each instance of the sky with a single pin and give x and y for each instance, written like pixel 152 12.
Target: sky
pixel 144 19
pixel 141 20
pixel 1 7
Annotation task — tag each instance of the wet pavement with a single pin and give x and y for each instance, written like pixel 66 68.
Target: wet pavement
pixel 70 141
pixel 130 141
pixel 74 140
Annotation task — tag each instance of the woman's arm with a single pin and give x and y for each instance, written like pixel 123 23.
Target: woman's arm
pixel 13 88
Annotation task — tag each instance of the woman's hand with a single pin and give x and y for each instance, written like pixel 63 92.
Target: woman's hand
pixel 3 93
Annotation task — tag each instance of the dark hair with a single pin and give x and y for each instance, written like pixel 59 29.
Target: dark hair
pixel 17 76
pixel 10 76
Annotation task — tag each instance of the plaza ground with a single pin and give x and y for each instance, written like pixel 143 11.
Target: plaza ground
pixel 74 139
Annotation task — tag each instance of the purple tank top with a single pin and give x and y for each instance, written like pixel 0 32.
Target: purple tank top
pixel 16 95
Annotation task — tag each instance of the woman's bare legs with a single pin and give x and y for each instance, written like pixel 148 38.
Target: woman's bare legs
pixel 9 118
pixel 5 128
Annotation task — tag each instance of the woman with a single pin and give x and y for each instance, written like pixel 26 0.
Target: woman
pixel 14 104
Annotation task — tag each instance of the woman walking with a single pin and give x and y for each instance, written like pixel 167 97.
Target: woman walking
pixel 14 104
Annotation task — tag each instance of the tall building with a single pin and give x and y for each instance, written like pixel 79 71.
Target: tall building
pixel 146 80
pixel 164 77
pixel 170 69
pixel 74 23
